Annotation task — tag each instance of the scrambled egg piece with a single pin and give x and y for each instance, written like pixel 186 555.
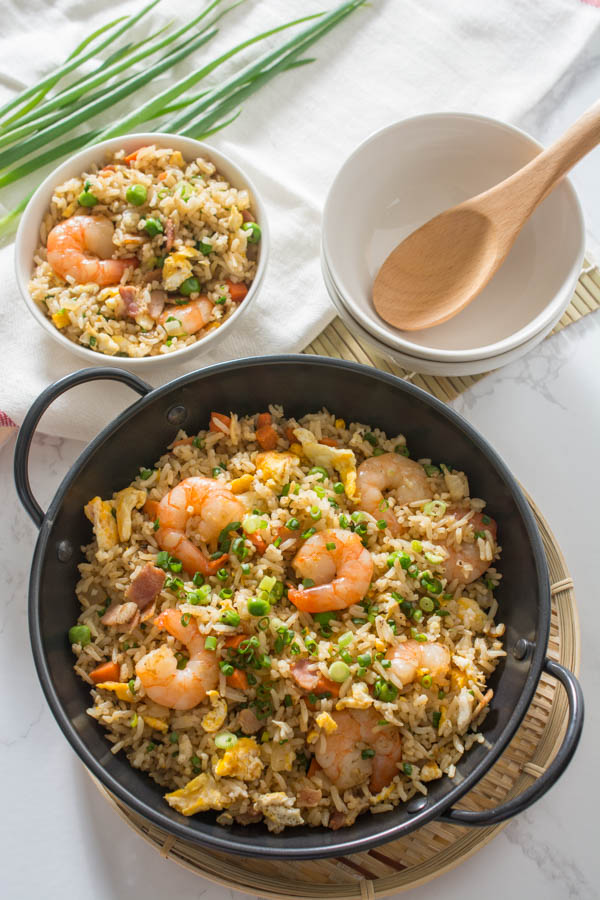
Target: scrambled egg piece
pixel 241 484
pixel 458 679
pixel 343 461
pixel 202 793
pixel 120 688
pixel 326 722
pixel 177 268
pixel 213 720
pixel 99 512
pixel 156 724
pixel 358 697
pixel 282 758
pixel 279 811
pixel 125 502
pixel 457 484
pixel 430 772
pixel 61 318
pixel 471 614
pixel 275 464
pixel 242 761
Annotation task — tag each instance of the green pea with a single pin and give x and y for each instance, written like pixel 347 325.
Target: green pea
pixel 254 232
pixel 258 607
pixel 80 634
pixel 86 198
pixel 136 194
pixel 153 226
pixel 190 286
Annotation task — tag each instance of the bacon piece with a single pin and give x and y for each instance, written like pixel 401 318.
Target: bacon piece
pixel 129 296
pixel 146 586
pixel 157 303
pixel 308 797
pixel 247 216
pixel 258 543
pixel 122 616
pixel 152 275
pixel 169 234
pixel 248 722
pixel 307 676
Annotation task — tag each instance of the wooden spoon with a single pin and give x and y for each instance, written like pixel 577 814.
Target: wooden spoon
pixel 438 269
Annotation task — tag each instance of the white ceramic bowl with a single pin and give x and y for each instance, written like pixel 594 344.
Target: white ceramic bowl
pixel 412 170
pixel 27 240
pixel 419 364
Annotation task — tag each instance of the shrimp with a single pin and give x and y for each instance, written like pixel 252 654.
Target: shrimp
pixel 340 567
pixel 405 478
pixel 340 754
pixel 193 315
pixel 464 562
pixel 177 688
pixel 216 506
pixel 81 248
pixel 412 657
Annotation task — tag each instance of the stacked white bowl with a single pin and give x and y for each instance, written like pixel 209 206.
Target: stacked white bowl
pixel 409 172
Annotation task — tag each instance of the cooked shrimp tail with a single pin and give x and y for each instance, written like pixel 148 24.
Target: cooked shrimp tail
pixel 82 247
pixel 340 567
pixel 163 681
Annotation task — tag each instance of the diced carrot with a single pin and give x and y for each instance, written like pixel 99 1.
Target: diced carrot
pixel 329 442
pixel 266 437
pixel 133 156
pixel 290 434
pixel 213 565
pixel 237 292
pixel 180 443
pixel 218 417
pixel 108 169
pixel 151 508
pixel 106 672
pixel 239 680
pixel 258 542
pixel 161 176
pixel 313 768
pixel 234 640
pixel 264 419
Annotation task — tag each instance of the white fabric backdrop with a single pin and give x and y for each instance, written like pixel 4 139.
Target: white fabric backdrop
pixel 392 59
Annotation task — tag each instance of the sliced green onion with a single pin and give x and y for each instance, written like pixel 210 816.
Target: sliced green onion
pixel 230 617
pixel 382 524
pixel 385 691
pixel 431 470
pixel 307 534
pixel 417 546
pixel 345 639
pixel 427 604
pixel 407 768
pixel 190 286
pixel 433 558
pixel 210 643
pixel 153 226
pixel 426 681
pixel 338 487
pixel 315 513
pixel 319 470
pixel 225 740
pixel 267 583
pixel 185 620
pixel 253 523
pixel 401 450
pixel 204 247
pixel 435 718
pixel 338 671
pixel 435 508
pixel 368 753
pixel 364 659
pixel 370 437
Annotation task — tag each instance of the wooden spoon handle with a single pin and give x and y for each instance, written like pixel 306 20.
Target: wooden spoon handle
pixel 532 184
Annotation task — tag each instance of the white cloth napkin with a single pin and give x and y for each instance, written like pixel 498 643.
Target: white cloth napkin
pixel 392 59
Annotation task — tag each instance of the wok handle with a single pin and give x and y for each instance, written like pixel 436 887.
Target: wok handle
pixel 35 413
pixel 553 772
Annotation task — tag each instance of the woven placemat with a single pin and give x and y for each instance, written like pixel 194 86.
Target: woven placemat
pixel 339 342
pixel 433 849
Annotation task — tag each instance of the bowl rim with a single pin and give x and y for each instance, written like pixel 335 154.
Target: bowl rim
pixel 434 367
pixel 41 197
pixel 559 301
pixel 228 842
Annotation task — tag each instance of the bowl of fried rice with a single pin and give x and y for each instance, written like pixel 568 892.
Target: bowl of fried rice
pixel 143 248
pixel 297 619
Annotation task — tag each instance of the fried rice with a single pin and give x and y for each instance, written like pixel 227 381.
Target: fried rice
pixel 189 234
pixel 248 749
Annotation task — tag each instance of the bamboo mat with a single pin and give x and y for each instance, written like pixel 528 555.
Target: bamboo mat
pixel 430 851
pixel 339 342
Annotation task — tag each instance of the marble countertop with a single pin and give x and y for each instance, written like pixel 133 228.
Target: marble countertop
pixel 543 416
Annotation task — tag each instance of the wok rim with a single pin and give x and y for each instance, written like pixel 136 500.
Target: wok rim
pixel 313 849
